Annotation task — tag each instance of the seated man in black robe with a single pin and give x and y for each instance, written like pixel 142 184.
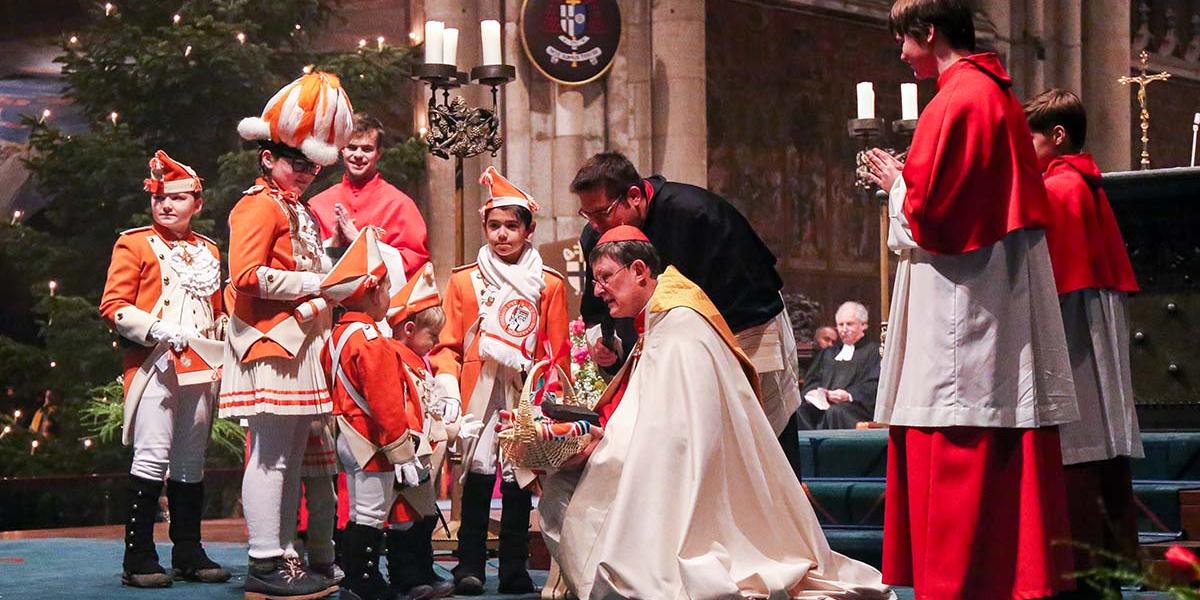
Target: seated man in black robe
pixel 839 388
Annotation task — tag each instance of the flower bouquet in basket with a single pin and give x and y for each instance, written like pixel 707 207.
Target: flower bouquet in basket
pixel 589 385
pixel 550 424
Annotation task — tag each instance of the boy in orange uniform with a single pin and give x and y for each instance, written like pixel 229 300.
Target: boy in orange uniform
pixel 163 295
pixel 378 409
pixel 502 313
pixel 416 318
pixel 273 376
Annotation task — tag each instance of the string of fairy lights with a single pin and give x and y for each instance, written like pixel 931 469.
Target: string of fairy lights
pixel 112 11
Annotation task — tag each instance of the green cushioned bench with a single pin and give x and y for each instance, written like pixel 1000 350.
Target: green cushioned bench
pixel 858 502
pixel 1170 455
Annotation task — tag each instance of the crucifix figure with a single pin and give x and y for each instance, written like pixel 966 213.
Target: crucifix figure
pixel 1142 81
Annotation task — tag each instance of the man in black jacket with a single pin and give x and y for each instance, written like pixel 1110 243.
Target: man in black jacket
pixel 839 388
pixel 712 244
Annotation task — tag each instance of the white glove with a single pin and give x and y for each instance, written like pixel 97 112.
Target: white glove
pixel 409 474
pixel 470 428
pixel 163 332
pixel 451 409
pixel 310 283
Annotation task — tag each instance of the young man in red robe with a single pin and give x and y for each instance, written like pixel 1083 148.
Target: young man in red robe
pixel 363 198
pixel 1094 277
pixel 974 389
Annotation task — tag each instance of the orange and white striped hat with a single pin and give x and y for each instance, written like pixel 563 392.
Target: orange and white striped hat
pixel 501 192
pixel 359 270
pixel 169 176
pixel 311 114
pixel 418 294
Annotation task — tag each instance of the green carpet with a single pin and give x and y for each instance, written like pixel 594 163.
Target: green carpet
pixel 78 569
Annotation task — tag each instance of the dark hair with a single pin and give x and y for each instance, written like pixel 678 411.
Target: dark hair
pixel 523 214
pixel 1058 107
pixel 278 150
pixel 950 18
pixel 364 123
pixel 608 170
pixel 625 252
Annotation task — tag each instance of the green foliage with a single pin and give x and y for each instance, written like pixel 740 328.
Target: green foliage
pixel 136 62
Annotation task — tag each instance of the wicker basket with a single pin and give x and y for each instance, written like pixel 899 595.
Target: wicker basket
pixel 522 445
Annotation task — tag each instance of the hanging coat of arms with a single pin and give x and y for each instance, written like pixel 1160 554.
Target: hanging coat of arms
pixel 571 41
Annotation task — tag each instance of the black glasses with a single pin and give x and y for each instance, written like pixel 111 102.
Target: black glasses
pixel 303 165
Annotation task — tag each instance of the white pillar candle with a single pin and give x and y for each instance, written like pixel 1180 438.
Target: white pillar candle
pixel 450 46
pixel 433 41
pixel 866 100
pixel 489 30
pixel 908 101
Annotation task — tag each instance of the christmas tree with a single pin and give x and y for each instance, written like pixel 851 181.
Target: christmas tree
pixel 149 74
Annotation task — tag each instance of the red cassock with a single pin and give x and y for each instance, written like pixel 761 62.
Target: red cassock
pixel 381 204
pixel 1086 247
pixel 971 173
pixel 375 367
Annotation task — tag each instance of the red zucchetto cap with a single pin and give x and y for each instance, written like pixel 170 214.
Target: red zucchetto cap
pixel 623 233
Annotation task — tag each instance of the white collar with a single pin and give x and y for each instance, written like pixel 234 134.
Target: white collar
pixel 846 353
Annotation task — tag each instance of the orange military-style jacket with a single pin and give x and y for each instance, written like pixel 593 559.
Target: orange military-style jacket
pixel 461 305
pixel 389 431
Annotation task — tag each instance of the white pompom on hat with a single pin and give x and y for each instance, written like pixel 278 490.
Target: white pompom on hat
pixel 312 114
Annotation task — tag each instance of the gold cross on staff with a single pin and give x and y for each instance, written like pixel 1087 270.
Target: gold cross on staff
pixel 1142 81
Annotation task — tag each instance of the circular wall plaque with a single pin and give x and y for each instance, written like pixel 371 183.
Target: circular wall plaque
pixel 571 41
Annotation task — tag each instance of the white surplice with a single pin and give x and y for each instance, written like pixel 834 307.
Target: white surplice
pixel 689 495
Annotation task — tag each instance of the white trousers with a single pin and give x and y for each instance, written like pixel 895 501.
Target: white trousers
pixel 371 493
pixel 271 484
pixel 171 429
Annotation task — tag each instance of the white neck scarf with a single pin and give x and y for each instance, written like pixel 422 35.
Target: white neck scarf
pixel 509 308
pixel 846 353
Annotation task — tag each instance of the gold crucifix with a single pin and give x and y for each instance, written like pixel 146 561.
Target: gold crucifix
pixel 1142 81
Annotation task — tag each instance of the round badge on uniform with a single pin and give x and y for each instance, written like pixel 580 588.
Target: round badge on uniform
pixel 571 41
pixel 518 317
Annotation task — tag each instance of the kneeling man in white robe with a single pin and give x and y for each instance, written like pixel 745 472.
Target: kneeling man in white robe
pixel 687 494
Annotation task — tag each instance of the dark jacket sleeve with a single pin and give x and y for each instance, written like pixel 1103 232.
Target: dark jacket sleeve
pixel 866 383
pixel 813 378
pixel 594 310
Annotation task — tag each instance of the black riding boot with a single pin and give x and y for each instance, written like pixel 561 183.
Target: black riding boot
pixel 140 567
pixel 360 561
pixel 472 534
pixel 185 501
pixel 514 539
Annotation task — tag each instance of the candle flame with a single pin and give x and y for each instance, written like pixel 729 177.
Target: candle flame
pixel 176 19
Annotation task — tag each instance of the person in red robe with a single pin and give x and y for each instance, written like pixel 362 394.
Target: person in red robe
pixel 973 391
pixel 1094 278
pixel 364 198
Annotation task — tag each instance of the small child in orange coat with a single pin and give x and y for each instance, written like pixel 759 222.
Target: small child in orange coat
pixel 378 411
pixel 163 296
pixel 503 313
pixel 416 319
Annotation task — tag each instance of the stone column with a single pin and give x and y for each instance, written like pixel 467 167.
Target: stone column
pixel 463 15
pixel 680 125
pixel 628 97
pixel 1105 52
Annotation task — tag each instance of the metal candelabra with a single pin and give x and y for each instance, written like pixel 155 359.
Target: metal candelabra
pixel 458 130
pixel 868 133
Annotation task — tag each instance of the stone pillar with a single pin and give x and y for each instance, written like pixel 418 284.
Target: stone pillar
pixel 1105 52
pixel 463 15
pixel 1066 71
pixel 680 125
pixel 568 154
pixel 628 98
